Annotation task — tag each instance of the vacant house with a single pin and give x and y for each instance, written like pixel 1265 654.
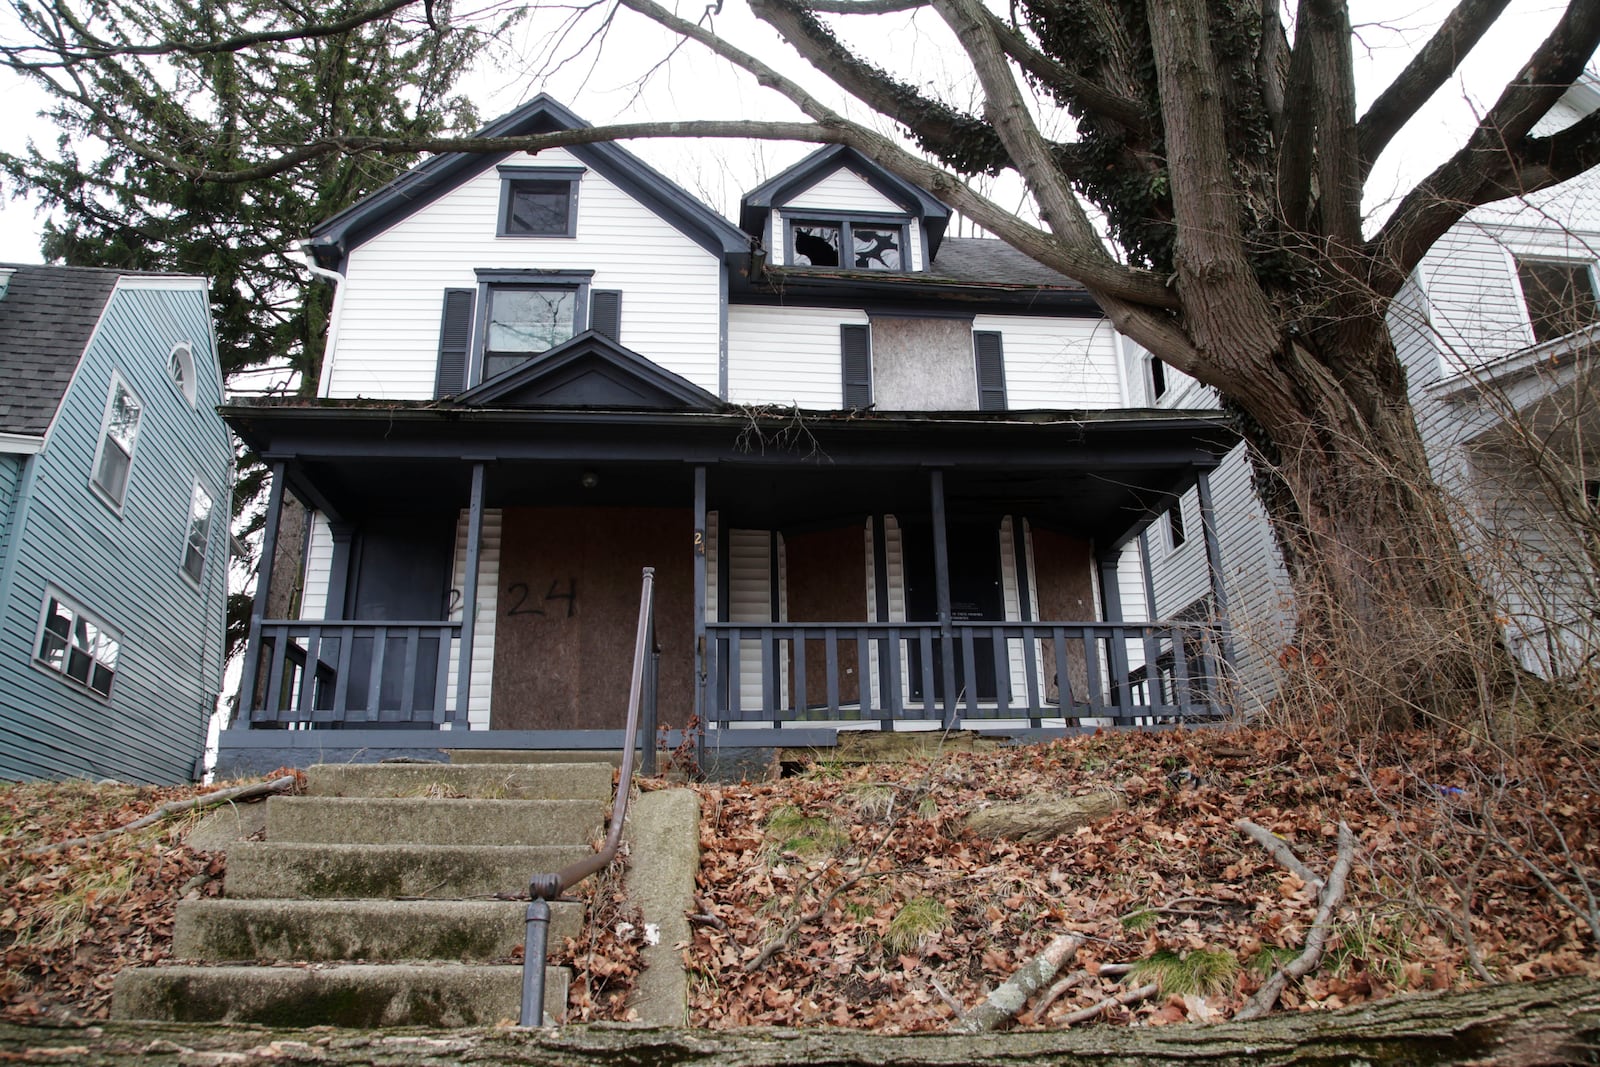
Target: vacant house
pixel 115 475
pixel 884 475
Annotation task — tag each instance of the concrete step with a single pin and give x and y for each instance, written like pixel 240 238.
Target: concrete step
pixel 365 996
pixel 417 821
pixel 226 930
pixel 489 781
pixel 260 870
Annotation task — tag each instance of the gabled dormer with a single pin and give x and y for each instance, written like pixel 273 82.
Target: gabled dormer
pixel 837 211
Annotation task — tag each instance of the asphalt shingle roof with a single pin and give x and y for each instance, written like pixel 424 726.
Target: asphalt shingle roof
pixel 46 319
pixel 989 260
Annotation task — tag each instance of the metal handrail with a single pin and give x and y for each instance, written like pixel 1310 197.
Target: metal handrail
pixel 543 888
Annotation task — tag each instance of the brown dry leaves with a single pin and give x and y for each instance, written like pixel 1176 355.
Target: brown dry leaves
pixel 1438 893
pixel 70 920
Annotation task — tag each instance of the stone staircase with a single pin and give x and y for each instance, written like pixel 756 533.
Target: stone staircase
pixel 370 903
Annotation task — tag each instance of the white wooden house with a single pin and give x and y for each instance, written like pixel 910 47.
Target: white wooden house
pixel 884 475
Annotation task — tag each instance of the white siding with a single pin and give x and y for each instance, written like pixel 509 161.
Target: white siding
pixel 1057 363
pixel 388 328
pixel 844 190
pixel 894 562
pixel 319 568
pixel 750 600
pixel 786 356
pixel 1474 299
pixel 488 611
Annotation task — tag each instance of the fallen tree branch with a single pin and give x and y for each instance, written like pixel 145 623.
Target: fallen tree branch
pixel 1279 850
pixel 1093 1011
pixel 177 807
pixel 1054 993
pixel 1266 997
pixel 1014 994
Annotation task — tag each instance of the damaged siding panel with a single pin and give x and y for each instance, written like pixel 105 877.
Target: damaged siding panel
pixel 787 356
pixel 1057 363
pixel 388 331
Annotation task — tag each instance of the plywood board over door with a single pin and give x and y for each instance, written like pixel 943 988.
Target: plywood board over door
pixel 1061 566
pixel 827 583
pixel 568 605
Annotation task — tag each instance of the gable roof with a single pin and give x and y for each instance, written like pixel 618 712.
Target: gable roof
pixel 333 238
pixel 590 371
pixel 776 191
pixel 47 316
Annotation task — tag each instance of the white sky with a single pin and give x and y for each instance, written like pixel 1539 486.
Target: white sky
pixel 697 85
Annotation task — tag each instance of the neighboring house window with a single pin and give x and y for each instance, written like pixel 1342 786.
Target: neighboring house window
pixel 991 369
pixel 1559 296
pixel 538 202
pixel 75 643
pixel 1155 378
pixel 526 313
pixel 180 368
pixel 855 352
pixel 118 433
pixel 199 533
pixel 1175 532
pixel 856 244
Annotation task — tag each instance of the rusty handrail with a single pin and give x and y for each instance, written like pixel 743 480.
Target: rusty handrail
pixel 543 888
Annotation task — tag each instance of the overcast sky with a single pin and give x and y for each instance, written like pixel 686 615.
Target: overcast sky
pixel 695 85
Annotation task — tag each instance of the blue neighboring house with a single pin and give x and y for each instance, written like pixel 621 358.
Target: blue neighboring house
pixel 115 476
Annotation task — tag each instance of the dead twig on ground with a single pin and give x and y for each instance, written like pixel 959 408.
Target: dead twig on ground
pixel 1012 996
pixel 1279 850
pixel 177 807
pixel 1093 1011
pixel 1266 998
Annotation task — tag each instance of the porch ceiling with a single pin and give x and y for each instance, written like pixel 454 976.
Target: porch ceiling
pixel 1095 475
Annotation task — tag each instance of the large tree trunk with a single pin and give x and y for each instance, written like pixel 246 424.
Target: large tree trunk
pixel 1393 626
pixel 1549 1022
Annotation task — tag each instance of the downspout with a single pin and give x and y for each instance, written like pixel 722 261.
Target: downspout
pixel 333 278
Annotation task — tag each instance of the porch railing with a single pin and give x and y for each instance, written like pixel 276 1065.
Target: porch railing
pixel 1123 672
pixel 335 671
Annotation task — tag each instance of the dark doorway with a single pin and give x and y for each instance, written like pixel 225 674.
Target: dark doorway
pixel 976 595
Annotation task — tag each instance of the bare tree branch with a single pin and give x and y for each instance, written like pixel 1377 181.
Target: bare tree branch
pixel 863 7
pixel 1086 94
pixel 1428 70
pixel 1486 167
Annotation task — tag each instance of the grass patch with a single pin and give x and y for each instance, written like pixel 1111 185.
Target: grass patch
pixel 1270 958
pixel 791 830
pixel 917 922
pixel 1202 972
pixel 874 801
pixel 1137 922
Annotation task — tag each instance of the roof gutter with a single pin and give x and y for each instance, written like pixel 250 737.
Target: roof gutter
pixel 20 444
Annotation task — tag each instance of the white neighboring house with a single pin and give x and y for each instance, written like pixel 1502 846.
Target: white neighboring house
pixel 884 475
pixel 1496 330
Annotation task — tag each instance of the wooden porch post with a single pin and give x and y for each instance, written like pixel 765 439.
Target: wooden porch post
pixel 339 570
pixel 469 600
pixel 258 605
pixel 1219 594
pixel 700 665
pixel 941 578
pixel 1117 646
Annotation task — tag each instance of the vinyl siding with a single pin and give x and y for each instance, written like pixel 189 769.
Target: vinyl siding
pixel 388 325
pixel 478 705
pixel 318 571
pixel 124 568
pixel 787 356
pixel 1057 363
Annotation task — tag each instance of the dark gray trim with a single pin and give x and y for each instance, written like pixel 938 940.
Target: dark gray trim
pixel 989 369
pixel 512 176
pixel 338 570
pixel 699 548
pixel 1111 608
pixel 455 342
pixel 605 313
pixel 670 389
pixel 855 365
pixel 941 579
pixel 258 603
pixel 332 239
pixel 908 311
pixel 913 295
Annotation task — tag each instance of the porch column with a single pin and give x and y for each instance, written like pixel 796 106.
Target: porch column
pixel 941 580
pixel 1152 643
pixel 700 666
pixel 1219 594
pixel 338 569
pixel 1117 646
pixel 258 605
pixel 469 600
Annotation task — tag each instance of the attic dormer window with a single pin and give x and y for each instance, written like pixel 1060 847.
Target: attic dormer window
pixel 853 244
pixel 538 201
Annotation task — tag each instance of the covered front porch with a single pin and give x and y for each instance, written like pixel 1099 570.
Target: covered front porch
pixel 813 573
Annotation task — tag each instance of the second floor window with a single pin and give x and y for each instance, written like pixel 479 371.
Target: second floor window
pixel 850 243
pixel 523 320
pixel 199 533
pixel 1559 296
pixel 118 435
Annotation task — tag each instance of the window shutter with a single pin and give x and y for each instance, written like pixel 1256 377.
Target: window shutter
pixel 991 371
pixel 605 313
pixel 455 333
pixel 855 346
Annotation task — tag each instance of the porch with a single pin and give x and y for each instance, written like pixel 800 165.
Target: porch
pixel 897 574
